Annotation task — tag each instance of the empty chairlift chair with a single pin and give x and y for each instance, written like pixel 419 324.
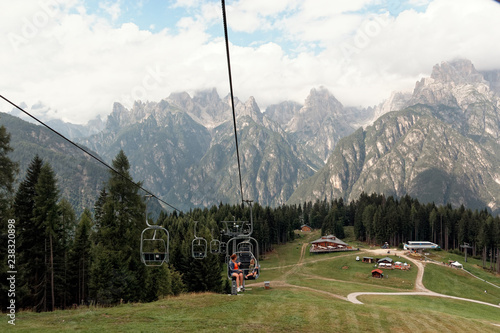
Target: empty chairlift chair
pixel 222 247
pixel 154 245
pixel 198 245
pixel 215 246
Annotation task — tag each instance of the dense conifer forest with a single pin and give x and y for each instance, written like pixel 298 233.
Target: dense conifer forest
pixel 63 260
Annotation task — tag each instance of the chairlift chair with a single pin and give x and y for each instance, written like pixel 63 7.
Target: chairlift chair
pixel 154 250
pixel 245 257
pixel 243 247
pixel 222 247
pixel 215 246
pixel 198 245
pixel 199 248
pixel 236 228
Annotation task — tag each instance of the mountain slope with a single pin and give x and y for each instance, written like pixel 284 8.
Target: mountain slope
pixel 317 126
pixel 190 164
pixel 79 176
pixel 443 149
pixel 160 141
pixel 270 169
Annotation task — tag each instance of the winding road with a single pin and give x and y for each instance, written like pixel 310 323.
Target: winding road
pixel 420 289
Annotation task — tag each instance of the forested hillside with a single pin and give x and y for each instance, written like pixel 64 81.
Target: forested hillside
pixel 99 253
pixel 79 176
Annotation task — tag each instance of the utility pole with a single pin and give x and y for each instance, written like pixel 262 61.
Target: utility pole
pixel 466 246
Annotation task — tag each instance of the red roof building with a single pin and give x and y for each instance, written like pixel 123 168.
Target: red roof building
pixel 329 243
pixel 377 273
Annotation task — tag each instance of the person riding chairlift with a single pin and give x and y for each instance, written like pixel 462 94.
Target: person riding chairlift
pixel 235 271
pixel 252 270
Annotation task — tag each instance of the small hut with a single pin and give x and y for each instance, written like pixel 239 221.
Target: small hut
pixel 369 260
pixel 385 262
pixel 377 273
pixel 305 228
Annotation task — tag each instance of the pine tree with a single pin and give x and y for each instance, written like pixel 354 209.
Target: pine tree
pixel 328 227
pixel 30 240
pixel 46 218
pixel 117 272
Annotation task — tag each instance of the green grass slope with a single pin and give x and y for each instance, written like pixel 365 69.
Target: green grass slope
pixel 307 294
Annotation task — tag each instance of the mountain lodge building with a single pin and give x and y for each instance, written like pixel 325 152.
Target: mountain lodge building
pixel 329 243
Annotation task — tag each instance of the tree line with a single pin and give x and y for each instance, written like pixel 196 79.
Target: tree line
pixel 64 261
pixel 377 219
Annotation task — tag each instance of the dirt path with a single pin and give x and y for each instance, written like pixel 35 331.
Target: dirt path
pixel 420 289
pixel 282 284
pixel 298 264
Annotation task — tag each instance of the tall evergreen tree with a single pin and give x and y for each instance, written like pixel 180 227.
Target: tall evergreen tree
pixel 117 272
pixel 8 170
pixel 46 218
pixel 30 240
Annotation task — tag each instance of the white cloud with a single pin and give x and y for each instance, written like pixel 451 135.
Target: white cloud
pixel 112 8
pixel 78 64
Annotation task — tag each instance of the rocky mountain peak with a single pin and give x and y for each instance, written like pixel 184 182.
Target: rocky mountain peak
pixel 116 116
pixel 458 72
pixel 207 97
pixel 321 101
pixel 283 112
pixel 182 100
pixel 251 109
pixel 454 84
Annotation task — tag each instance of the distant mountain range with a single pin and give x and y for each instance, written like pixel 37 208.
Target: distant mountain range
pixel 80 177
pixel 439 143
pixel 442 145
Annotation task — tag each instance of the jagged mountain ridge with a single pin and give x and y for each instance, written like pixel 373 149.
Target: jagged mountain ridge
pixel 438 143
pixel 184 149
pixel 442 147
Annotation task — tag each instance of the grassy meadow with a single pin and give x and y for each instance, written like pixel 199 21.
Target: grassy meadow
pixel 306 295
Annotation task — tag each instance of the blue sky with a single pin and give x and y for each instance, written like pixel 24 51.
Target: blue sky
pixel 56 52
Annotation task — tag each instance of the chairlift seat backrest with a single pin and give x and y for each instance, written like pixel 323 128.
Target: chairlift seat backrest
pixel 223 247
pixel 215 246
pixel 199 248
pixel 154 248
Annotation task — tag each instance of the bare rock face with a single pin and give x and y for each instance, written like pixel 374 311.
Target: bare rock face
pixel 283 112
pixel 442 147
pixel 319 124
pixel 397 101
pixel 493 78
pixel 452 84
pixel 439 143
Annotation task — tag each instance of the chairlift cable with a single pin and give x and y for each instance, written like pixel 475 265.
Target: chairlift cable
pixel 88 153
pixel 223 3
